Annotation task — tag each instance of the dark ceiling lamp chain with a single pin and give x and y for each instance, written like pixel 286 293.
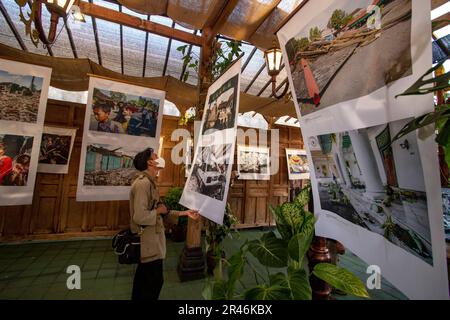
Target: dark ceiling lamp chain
pixel 274 58
pixel 57 8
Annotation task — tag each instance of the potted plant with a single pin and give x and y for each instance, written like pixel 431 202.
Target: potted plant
pixel 215 234
pixel 171 200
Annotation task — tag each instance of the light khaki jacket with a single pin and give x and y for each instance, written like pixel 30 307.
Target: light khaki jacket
pixel 144 198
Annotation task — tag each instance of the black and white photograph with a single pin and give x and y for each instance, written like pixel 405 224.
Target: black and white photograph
pixel 376 185
pixel 221 108
pixel 253 163
pixel 209 172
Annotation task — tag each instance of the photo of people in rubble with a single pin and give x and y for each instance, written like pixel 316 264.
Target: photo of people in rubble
pixel 253 162
pixel 19 97
pixel 15 157
pixel 55 149
pixel 121 113
pixel 326 55
pixel 221 111
pixel 209 173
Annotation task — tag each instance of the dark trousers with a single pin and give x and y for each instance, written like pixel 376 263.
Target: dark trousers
pixel 148 281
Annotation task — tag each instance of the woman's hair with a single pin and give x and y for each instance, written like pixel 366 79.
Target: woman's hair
pixel 140 160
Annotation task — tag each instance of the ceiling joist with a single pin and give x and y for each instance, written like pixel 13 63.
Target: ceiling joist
pixel 99 12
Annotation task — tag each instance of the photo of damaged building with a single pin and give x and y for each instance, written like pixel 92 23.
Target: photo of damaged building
pixel 108 166
pixel 378 186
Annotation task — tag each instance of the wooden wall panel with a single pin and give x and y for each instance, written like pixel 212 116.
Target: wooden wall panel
pixel 55 213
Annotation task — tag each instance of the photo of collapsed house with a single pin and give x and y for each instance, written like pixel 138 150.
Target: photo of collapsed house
pixel 255 161
pixel 209 172
pixel 351 49
pixel 19 97
pixel 15 158
pixel 108 165
pixel 121 113
pixel 220 113
pixel 377 185
pixel 55 149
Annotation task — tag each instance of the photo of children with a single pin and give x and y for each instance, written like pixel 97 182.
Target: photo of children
pixel 55 149
pixel 15 157
pixel 121 113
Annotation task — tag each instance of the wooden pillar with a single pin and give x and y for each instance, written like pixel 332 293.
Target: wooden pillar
pixel 192 260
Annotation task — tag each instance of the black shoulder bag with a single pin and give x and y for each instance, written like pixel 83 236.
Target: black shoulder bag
pixel 127 246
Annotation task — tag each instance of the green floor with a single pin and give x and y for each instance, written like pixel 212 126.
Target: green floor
pixel 38 271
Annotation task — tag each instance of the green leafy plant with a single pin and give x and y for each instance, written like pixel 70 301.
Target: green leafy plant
pixel 285 251
pixel 224 53
pixel 216 233
pixel 172 199
pixel 440 116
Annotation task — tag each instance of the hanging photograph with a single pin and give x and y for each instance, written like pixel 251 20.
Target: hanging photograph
pixel 327 54
pixel 108 165
pixel 56 148
pixel 23 101
pixel 188 157
pixel 376 185
pixel 118 112
pixel 253 163
pixel 297 164
pixel 209 172
pixel 15 159
pixel 220 113
pixel 20 96
pixel 122 120
pixel 208 181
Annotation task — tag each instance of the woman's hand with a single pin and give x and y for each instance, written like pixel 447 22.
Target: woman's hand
pixel 161 209
pixel 193 214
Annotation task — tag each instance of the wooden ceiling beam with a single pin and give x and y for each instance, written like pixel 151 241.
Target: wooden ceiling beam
pixel 250 56
pixel 145 51
pixel 255 77
pixel 69 34
pixel 222 10
pixel 96 11
pixel 169 46
pixel 437 3
pixel 266 16
pixel 12 27
pixel 97 42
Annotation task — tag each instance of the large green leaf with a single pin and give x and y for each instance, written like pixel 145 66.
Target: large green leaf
pixel 235 270
pixel 219 291
pixel 299 245
pixel 303 197
pixel 425 86
pixel 298 282
pixel 269 250
pixel 442 112
pixel 293 216
pixel 282 226
pixel 266 292
pixel 341 279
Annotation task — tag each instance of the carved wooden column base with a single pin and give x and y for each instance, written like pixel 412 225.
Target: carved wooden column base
pixel 319 253
pixel 191 265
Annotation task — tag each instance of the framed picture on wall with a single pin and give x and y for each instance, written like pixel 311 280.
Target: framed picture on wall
pixel 56 148
pixel 297 164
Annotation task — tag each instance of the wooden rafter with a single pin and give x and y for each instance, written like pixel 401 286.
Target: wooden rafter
pixel 145 50
pixel 218 16
pixel 279 86
pixel 97 43
pixel 96 11
pixel 169 46
pixel 268 82
pixel 12 27
pixel 266 16
pixel 121 43
pixel 250 56
pixel 72 43
pixel 256 76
